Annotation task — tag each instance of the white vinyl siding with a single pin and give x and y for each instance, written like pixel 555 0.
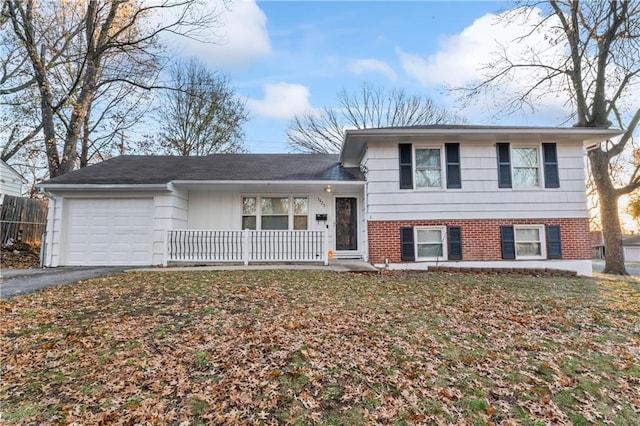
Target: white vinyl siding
pixel 479 197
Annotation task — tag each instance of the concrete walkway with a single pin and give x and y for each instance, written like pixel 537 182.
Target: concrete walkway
pixel 15 282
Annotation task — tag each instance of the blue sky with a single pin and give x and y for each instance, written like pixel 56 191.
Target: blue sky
pixel 290 57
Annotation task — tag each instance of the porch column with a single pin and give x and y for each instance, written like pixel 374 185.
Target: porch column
pixel 245 246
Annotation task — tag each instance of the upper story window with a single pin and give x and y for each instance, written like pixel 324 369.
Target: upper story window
pixel 273 213
pixel 429 167
pixel 525 167
pixel 519 166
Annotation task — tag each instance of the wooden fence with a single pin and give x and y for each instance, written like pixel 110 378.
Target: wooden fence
pixel 22 219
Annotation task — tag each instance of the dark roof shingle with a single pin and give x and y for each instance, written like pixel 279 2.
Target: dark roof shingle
pixel 140 169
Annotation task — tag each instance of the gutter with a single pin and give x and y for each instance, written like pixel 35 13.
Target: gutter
pixel 100 187
pixel 268 182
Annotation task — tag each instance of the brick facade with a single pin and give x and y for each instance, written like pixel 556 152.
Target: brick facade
pixel 480 237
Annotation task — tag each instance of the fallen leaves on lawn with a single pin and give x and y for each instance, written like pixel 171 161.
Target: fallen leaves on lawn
pixel 24 258
pixel 291 347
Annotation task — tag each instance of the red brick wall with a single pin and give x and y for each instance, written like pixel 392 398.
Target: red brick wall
pixel 480 237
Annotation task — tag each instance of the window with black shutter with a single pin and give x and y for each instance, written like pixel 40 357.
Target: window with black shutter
pixel 504 165
pixel 407 250
pixel 406 166
pixel 508 242
pixel 454 238
pixel 452 158
pixel 550 159
pixel 554 242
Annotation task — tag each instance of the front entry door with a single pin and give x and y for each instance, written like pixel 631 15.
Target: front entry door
pixel 346 223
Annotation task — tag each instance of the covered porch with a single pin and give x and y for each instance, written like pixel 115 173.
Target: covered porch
pixel 268 222
pixel 247 246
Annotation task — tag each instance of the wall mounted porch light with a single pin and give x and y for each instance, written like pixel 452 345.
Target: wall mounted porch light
pixel 328 188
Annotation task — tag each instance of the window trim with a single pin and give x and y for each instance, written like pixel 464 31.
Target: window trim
pixel 538 149
pixel 290 214
pixel 542 241
pixel 443 242
pixel 443 165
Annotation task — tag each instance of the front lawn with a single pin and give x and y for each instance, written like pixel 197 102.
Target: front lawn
pixel 303 347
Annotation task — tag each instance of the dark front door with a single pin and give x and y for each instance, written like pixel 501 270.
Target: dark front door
pixel 346 223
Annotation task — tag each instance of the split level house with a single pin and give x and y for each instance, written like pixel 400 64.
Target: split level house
pixel 400 198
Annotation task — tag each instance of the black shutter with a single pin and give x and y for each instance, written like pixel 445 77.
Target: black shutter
pixel 452 157
pixel 406 243
pixel 508 242
pixel 554 243
pixel 504 165
pixel 406 166
pixel 550 157
pixel 455 242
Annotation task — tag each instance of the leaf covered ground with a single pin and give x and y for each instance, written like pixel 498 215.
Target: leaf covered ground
pixel 300 347
pixel 24 258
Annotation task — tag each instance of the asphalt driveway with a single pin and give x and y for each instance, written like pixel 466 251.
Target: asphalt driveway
pixel 16 282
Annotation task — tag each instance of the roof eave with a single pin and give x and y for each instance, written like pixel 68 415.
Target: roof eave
pixel 355 140
pixel 101 187
pixel 267 182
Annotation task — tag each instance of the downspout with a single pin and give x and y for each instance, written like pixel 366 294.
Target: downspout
pixel 49 232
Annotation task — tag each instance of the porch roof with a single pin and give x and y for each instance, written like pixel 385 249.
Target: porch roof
pixel 154 170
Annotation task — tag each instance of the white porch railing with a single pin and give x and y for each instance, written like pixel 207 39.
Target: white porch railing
pixel 197 245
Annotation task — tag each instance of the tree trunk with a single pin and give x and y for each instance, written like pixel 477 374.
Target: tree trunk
pixel 614 253
pixel 608 199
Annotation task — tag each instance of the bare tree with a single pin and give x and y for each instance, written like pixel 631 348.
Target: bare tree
pixel 66 55
pixel 201 114
pixel 370 106
pixel 596 66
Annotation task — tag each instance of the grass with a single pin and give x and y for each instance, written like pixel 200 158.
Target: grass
pixel 300 347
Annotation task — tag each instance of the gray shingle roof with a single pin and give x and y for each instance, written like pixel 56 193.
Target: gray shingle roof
pixel 139 169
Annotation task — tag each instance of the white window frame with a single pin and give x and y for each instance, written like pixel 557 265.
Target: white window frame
pixel 443 241
pixel 543 241
pixel 443 166
pixel 538 149
pixel 290 215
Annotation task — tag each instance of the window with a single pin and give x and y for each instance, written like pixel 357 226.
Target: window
pixel 428 168
pixel 425 167
pixel 274 213
pixel 520 166
pixel 249 213
pixel 300 213
pixel 529 241
pixel 526 242
pixel 430 243
pixel 525 167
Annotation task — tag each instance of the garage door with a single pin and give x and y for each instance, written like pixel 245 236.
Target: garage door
pixel 109 231
pixel 632 254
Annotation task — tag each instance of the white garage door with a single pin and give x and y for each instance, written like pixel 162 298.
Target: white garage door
pixel 632 254
pixel 109 231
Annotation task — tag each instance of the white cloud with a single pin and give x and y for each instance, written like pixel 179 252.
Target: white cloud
pixel 281 100
pixel 362 66
pixel 461 58
pixel 238 37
